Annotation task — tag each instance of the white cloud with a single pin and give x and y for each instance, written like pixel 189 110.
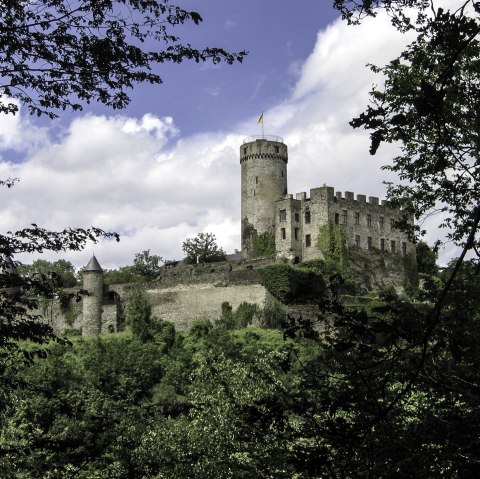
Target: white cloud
pixel 126 175
pixel 9 130
pixel 139 178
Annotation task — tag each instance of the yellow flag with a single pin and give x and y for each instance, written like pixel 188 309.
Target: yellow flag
pixel 260 120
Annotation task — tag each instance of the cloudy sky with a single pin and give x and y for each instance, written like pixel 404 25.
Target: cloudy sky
pixel 167 167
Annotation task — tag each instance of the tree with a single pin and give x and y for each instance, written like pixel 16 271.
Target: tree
pixel 19 319
pixel 147 265
pixel 202 249
pixel 124 274
pixel 354 11
pixel 138 316
pixel 61 272
pixel 429 105
pixel 58 55
pixel 90 408
pixel 235 425
pixel 426 259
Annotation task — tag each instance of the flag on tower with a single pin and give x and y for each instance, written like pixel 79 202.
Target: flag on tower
pixel 260 120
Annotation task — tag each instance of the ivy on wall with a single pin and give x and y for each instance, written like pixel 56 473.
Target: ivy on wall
pixel 263 244
pixel 332 243
pixel 292 285
pixel 411 274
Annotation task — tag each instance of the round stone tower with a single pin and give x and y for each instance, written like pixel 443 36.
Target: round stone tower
pixel 264 180
pixel 92 304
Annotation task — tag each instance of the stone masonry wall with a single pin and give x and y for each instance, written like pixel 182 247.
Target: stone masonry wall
pixel 368 225
pixel 188 293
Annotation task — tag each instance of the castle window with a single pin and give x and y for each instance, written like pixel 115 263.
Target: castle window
pixel 307 217
pixel 282 173
pixel 392 246
pixel 344 216
pixel 382 244
pixel 369 243
pixel 337 218
pixel 357 241
pixel 283 215
pixel 392 224
pixel 283 232
pixel 357 218
pixel 296 233
pixel 381 221
pixel 256 180
pixel 297 217
pixel 245 150
pixel 369 220
pixel 308 241
pixel 404 248
pixel 277 150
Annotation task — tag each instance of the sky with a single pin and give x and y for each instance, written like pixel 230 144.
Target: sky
pixel 167 167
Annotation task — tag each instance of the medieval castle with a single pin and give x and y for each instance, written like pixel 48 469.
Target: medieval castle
pixel 295 222
pixel 184 294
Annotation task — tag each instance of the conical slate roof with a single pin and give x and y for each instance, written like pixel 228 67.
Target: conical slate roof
pixel 93 265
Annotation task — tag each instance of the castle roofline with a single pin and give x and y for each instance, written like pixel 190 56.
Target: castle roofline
pixel 93 265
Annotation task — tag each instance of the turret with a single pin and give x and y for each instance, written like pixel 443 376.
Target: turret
pixel 92 304
pixel 263 162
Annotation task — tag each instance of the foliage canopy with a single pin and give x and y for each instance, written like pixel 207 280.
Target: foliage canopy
pixel 429 105
pixel 61 272
pixel 58 55
pixel 202 249
pixel 19 295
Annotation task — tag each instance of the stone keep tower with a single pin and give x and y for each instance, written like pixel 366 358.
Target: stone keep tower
pixel 263 163
pixel 92 304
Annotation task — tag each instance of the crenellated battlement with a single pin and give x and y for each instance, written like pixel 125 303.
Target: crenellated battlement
pixel 347 198
pixel 339 197
pixel 268 148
